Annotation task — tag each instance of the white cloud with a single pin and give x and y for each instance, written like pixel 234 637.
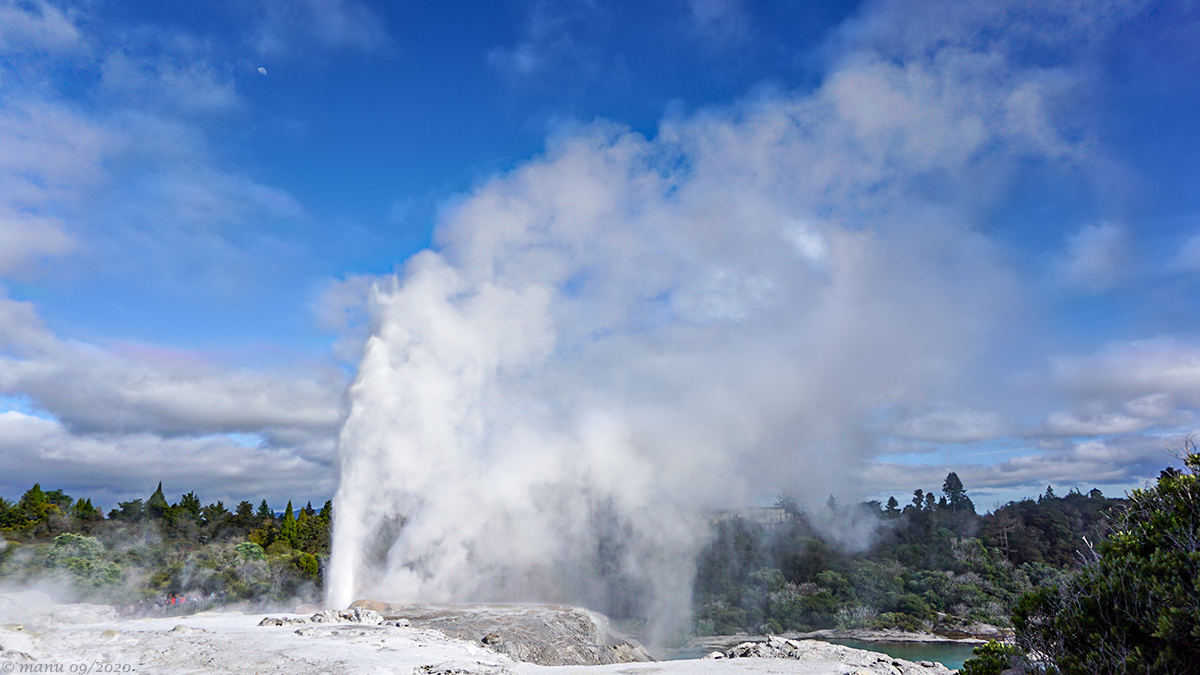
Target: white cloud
pixel 181 84
pixel 92 389
pixel 1067 423
pixel 111 421
pixel 1188 257
pixel 952 426
pixel 722 22
pixel 294 28
pixel 1126 387
pixel 52 157
pixel 1095 257
pixel 41 27
pixel 117 467
pixel 555 45
pixel 1136 368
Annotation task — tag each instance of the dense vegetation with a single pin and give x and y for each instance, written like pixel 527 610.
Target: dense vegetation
pixel 934 564
pixel 153 554
pixel 1134 606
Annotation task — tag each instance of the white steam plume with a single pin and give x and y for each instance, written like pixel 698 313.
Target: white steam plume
pixel 628 329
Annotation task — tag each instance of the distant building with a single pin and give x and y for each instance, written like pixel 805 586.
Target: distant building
pixel 763 515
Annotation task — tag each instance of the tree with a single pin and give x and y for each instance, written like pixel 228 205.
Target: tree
pixel 189 504
pixel 156 506
pixel 956 494
pixel 60 499
pixel 264 512
pixel 83 510
pixel 1049 494
pixel 787 503
pixel 131 511
pixel 34 505
pixel 1134 608
pixel 288 529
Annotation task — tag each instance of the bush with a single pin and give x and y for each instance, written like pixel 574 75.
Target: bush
pixel 82 558
pixel 898 620
pixel 913 605
pixel 249 550
pixel 991 659
pixel 307 563
pixel 1136 607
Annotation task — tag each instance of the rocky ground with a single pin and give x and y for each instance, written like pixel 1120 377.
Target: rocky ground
pixel 43 637
pixel 864 662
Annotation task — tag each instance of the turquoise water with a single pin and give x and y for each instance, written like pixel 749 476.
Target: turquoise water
pixel 949 654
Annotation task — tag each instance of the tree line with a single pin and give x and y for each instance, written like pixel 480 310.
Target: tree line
pixel 145 549
pixel 934 564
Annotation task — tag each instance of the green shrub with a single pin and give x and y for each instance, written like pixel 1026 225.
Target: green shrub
pixel 991 659
pixel 307 563
pixel 249 550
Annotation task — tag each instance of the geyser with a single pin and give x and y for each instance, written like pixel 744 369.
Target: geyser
pixel 622 332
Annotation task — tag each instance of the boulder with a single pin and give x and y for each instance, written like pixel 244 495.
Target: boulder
pixel 547 635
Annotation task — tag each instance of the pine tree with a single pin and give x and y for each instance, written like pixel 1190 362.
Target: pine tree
pixel 288 529
pixel 156 506
pixel 264 512
pixel 34 505
pixel 190 505
pixel 956 495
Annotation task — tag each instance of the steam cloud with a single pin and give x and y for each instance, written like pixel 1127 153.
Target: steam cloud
pixel 624 331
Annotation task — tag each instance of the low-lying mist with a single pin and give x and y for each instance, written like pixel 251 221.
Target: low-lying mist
pixel 613 337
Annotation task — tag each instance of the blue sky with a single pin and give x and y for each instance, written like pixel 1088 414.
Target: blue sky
pixel 195 198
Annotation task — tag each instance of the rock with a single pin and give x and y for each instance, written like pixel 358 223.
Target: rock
pixel 461 668
pixel 867 662
pixel 543 634
pixel 13 655
pixel 373 605
pixel 353 615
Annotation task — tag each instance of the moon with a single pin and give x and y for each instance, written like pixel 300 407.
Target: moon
pixel 262 70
